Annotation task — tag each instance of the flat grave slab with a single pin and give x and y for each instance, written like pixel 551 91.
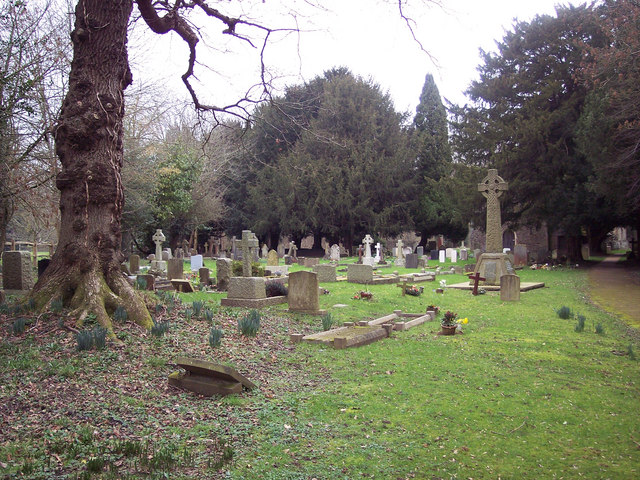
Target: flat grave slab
pixel 253 302
pixel 208 378
pixel 524 286
pixel 183 286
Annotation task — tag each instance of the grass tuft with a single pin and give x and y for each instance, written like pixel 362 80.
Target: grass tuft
pixel 249 324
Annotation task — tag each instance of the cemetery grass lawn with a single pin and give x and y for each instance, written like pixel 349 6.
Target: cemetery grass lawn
pixel 519 395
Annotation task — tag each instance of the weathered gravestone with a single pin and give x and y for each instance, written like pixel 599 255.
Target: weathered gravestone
pixel 454 256
pixel 420 250
pixel 303 294
pixel 204 276
pixel 134 263
pixel 207 378
pixel 360 273
pixel 326 273
pixel 265 251
pixel 223 267
pixel 509 287
pixel 272 257
pixel 17 273
pixel 520 255
pixel 411 260
pixel 175 268
pixel 464 254
pixel 433 254
pixel 147 281
pixel 166 254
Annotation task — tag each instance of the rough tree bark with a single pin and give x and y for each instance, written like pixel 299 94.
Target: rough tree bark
pixel 85 269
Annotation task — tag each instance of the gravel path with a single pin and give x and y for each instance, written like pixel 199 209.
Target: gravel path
pixel 615 287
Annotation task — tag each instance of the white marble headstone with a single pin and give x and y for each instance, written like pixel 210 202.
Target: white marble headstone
pixel 196 262
pixel 443 256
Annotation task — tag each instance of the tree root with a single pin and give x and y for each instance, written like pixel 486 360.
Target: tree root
pixel 90 293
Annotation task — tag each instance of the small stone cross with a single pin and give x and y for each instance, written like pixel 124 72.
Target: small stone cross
pixel 491 188
pixel 476 279
pixel 399 252
pixel 249 241
pixel 158 238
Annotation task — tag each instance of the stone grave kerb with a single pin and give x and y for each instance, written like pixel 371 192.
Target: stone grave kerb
pixel 249 241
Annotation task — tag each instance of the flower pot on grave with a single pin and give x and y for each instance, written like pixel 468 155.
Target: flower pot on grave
pixel 449 329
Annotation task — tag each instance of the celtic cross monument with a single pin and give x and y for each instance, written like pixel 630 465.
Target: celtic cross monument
pixel 491 188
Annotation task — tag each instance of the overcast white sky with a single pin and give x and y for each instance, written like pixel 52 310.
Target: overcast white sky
pixel 367 36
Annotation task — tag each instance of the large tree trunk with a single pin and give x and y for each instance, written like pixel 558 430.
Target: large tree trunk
pixel 85 269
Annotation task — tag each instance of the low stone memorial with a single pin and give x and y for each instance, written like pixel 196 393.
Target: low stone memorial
pixel 181 285
pixel 335 253
pixel 303 293
pixel 434 254
pixel 204 276
pixel 175 269
pixel 509 287
pixel 134 263
pixel 520 255
pixel 17 272
pixel 208 379
pixel 360 274
pixel 272 258
pixel 326 273
pixel 147 280
pixel 223 268
pixel 464 254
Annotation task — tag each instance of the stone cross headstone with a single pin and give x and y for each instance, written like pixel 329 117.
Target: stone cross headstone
pixel 249 241
pixel 399 254
pixel 272 258
pixel 491 188
pixel 378 249
pixel 367 259
pixel 293 250
pixel 158 238
pixel 335 253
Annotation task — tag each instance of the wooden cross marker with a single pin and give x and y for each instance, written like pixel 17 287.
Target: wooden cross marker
pixel 476 279
pixel 403 287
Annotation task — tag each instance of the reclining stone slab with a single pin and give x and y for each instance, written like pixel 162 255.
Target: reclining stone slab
pixel 207 378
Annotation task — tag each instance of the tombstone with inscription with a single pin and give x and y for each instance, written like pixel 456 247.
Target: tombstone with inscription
pixel 134 263
pixel 411 260
pixel 493 263
pixel 175 268
pixel 509 287
pixel 420 250
pixel 454 256
pixel 520 255
pixel 223 268
pixel 204 276
pixel 433 254
pixel 464 254
pixel 326 272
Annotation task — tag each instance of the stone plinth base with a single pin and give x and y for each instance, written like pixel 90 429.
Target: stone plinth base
pixel 253 302
pixel 524 286
pixel 492 266
pixel 247 288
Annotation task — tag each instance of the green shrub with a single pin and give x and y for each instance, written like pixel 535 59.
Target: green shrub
pixel 630 352
pixel 599 329
pixel 215 337
pixel 140 283
pixel 4 308
pixel 99 337
pixel 276 288
pixel 159 328
pixel 564 312
pixel 208 315
pixel 84 340
pixel 249 324
pixel 197 305
pixel 580 326
pixel 19 325
pixel 256 269
pixel 187 313
pixel 327 321
pixel 95 464
pixel 120 314
pixel 57 305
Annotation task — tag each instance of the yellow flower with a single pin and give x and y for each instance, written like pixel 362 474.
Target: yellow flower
pixel 464 320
